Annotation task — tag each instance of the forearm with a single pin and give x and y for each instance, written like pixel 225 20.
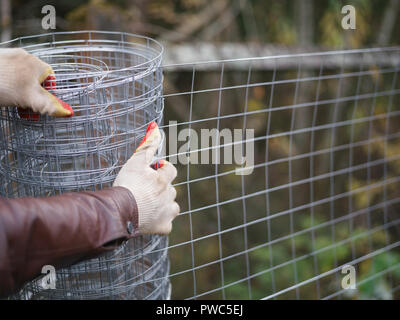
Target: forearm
pixel 60 231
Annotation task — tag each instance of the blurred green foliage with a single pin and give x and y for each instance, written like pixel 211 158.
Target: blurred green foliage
pixel 261 21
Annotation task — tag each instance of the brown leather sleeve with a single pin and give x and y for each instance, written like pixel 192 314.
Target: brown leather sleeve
pixel 60 231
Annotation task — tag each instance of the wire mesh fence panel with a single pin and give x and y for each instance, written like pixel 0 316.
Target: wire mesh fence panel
pixel 288 170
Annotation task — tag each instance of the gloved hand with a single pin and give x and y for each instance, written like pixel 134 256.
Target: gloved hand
pixel 21 78
pixel 152 189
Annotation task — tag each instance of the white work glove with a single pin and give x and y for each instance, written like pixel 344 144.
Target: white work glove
pixel 21 78
pixel 152 189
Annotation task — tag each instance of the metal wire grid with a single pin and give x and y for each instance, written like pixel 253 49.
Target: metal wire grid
pixel 324 191
pixel 324 181
pixel 112 276
pixel 113 81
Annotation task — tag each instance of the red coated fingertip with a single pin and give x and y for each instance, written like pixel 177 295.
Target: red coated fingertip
pixel 158 164
pixel 152 125
pixel 50 82
pixel 66 106
pixel 28 114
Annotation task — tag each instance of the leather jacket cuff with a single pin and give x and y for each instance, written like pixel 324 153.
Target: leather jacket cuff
pixel 61 230
pixel 126 203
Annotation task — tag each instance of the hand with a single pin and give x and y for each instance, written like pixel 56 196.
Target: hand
pixel 152 189
pixel 21 78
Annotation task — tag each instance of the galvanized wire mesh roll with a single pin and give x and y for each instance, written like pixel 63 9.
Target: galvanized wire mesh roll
pixel 113 81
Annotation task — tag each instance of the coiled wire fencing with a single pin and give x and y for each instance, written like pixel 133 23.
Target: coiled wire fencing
pixel 113 81
pixel 323 192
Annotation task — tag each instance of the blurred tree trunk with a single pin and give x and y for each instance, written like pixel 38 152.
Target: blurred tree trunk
pixel 191 24
pixel 388 23
pixel 250 25
pixel 5 20
pixel 304 17
pixel 223 21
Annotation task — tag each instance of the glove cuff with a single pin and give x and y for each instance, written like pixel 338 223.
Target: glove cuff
pixel 147 204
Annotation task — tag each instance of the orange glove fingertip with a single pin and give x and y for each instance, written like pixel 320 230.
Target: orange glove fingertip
pixel 149 131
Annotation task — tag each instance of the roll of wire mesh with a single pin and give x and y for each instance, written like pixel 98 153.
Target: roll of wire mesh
pixel 113 81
